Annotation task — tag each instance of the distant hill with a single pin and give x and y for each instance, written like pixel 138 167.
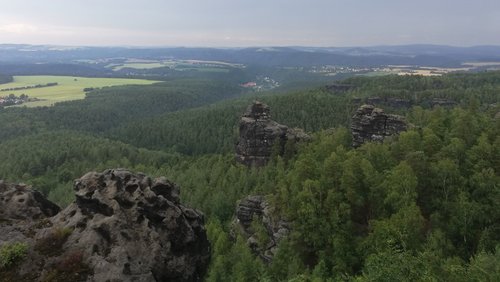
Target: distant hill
pixel 428 55
pixel 51 69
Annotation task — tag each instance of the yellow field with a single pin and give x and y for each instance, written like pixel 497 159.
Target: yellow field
pixel 423 71
pixel 68 88
pixel 481 64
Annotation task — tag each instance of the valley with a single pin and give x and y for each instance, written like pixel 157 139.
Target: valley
pixel 250 141
pixel 281 173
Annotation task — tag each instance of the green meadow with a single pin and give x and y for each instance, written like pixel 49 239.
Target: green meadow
pixel 68 88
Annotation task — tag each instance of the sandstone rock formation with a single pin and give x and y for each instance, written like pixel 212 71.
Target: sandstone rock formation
pixel 443 102
pixel 397 103
pixel 372 124
pixel 121 227
pixel 259 135
pixel 255 212
pixel 18 202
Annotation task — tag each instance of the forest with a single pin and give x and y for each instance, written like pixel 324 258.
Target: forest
pixel 421 206
pixel 5 78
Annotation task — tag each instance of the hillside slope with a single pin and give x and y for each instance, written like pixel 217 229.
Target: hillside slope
pixel 419 205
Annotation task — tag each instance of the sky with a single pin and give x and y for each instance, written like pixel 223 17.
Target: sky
pixel 233 23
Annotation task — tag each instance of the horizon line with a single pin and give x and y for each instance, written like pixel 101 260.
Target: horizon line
pixel 252 46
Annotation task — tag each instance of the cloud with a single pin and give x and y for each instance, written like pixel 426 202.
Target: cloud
pixel 18 28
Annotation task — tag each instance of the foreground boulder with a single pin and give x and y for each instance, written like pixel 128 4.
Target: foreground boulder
pixel 372 124
pixel 122 227
pixel 259 136
pixel 261 226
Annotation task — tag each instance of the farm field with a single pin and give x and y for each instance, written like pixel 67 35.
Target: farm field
pixel 140 66
pixel 414 70
pixel 67 88
pixel 180 65
pixel 481 64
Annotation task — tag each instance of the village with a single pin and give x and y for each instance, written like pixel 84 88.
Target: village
pixel 262 83
pixel 12 100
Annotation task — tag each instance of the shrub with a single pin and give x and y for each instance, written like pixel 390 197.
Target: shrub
pixel 12 253
pixel 52 244
pixel 71 267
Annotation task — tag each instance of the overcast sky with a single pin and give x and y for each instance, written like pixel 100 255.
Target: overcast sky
pixel 250 22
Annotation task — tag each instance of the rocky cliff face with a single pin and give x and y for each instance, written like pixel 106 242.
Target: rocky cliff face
pixel 443 102
pixel 259 136
pixel 397 103
pixel 121 227
pixel 372 124
pixel 255 212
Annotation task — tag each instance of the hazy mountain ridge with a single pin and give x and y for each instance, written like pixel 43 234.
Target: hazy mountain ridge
pixel 418 54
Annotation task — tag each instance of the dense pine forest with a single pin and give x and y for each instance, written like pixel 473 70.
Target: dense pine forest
pixel 5 78
pixel 422 206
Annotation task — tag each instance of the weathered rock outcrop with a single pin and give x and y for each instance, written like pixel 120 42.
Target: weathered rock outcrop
pixel 372 124
pixel 121 227
pixel 443 102
pixel 18 202
pixel 259 135
pixel 254 212
pixel 397 103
